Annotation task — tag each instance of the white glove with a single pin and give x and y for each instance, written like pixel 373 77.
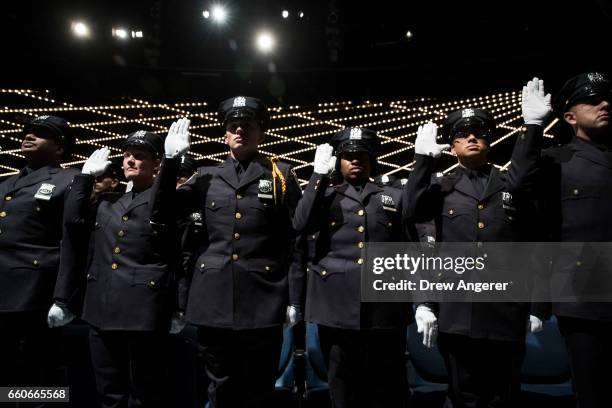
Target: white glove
pixel 535 324
pixel 59 316
pixel 292 316
pixel 177 141
pixel 97 162
pixel 425 143
pixel 177 323
pixel 427 323
pixel 536 106
pixel 325 161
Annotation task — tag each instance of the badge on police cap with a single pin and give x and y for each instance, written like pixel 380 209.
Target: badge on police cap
pixel 387 202
pixel 139 134
pixel 467 113
pixel 45 191
pixel 595 77
pixel 239 102
pixel 265 188
pixel 355 134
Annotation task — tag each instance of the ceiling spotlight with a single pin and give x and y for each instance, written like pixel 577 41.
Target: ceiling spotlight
pixel 301 14
pixel 409 35
pixel 285 13
pixel 80 29
pixel 206 14
pixel 265 42
pixel 219 14
pixel 120 33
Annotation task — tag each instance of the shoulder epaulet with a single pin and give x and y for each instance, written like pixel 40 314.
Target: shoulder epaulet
pixel 390 188
pixel 208 169
pixel 559 153
pixel 111 196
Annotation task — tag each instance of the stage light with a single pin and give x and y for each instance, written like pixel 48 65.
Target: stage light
pixel 265 42
pixel 120 33
pixel 136 34
pixel 301 14
pixel 409 35
pixel 285 13
pixel 219 13
pixel 206 14
pixel 80 29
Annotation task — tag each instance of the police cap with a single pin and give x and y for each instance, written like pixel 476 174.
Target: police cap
pixel 52 127
pixel 146 140
pixel 244 107
pixel 468 118
pixel 356 140
pixel 581 88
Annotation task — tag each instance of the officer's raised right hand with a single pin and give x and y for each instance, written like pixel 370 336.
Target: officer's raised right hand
pixel 536 105
pixel 325 161
pixel 97 162
pixel 426 144
pixel 177 141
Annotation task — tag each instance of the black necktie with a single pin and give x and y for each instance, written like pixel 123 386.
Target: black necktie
pixel 239 171
pixel 26 170
pixel 479 181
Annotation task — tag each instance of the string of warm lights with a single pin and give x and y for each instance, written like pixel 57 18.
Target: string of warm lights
pixel 295 130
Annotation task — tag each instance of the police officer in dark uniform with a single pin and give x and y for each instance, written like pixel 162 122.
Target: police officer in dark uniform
pixel 238 292
pixel 576 197
pixel 190 233
pixel 31 207
pixel 482 343
pixel 363 343
pixel 128 299
pixel 69 291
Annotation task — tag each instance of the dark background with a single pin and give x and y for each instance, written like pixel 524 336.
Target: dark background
pixel 340 49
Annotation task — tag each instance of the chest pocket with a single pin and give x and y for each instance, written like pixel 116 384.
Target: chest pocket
pixel 453 214
pixel 334 224
pixel 216 204
pixel 101 222
pixel 570 193
pixel 262 204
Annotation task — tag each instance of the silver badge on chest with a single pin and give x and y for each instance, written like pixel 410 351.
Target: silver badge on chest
pixel 196 217
pixel 265 189
pixel 507 202
pixel 387 202
pixel 45 191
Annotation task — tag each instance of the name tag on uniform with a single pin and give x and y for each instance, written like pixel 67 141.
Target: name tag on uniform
pixel 387 202
pixel 45 191
pixel 265 188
